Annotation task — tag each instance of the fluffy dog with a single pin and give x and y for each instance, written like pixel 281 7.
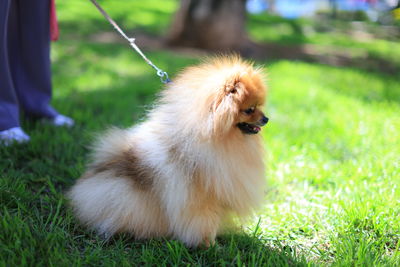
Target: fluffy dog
pixel 195 162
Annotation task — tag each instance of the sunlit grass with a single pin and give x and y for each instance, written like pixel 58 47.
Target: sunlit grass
pixel 333 163
pixel 150 15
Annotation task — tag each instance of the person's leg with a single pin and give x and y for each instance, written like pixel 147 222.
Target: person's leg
pixel 9 113
pixel 29 56
pixel 10 132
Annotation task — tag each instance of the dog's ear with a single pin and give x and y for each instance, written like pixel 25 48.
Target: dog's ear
pixel 235 88
pixel 225 108
pixel 231 90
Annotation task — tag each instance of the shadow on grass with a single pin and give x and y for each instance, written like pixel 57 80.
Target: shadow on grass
pixel 234 249
pixel 326 55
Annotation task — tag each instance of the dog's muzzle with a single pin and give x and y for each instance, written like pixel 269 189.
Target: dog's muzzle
pixel 250 128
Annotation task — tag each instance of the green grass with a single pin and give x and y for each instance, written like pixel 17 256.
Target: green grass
pixel 333 159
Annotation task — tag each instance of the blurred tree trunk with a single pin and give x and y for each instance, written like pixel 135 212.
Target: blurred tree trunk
pixel 334 6
pixel 271 6
pixel 210 24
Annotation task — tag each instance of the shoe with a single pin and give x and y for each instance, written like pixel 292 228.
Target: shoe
pixel 60 120
pixel 13 135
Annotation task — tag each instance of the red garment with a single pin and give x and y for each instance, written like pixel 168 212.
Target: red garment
pixel 54 32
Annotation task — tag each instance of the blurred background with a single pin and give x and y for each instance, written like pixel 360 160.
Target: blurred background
pixel 356 33
pixel 336 32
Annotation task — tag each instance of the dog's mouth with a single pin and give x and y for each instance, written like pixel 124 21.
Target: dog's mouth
pixel 248 128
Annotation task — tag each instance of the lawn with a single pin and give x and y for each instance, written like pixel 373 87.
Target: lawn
pixel 333 154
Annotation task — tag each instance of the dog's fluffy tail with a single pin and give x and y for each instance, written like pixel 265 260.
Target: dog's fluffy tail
pixel 109 202
pixel 110 145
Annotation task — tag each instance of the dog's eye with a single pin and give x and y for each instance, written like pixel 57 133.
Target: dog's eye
pixel 249 110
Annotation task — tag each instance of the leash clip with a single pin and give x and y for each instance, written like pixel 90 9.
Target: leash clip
pixel 163 76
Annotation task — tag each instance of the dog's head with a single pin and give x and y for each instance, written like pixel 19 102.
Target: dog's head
pixel 224 95
pixel 236 105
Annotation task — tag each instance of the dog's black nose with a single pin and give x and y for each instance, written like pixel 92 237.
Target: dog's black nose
pixel 264 120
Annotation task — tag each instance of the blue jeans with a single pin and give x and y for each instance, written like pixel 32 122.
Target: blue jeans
pixel 25 74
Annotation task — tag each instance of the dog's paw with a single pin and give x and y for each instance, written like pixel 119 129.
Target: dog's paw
pixel 208 242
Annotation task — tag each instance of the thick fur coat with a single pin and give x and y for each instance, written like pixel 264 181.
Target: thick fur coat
pixel 195 162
